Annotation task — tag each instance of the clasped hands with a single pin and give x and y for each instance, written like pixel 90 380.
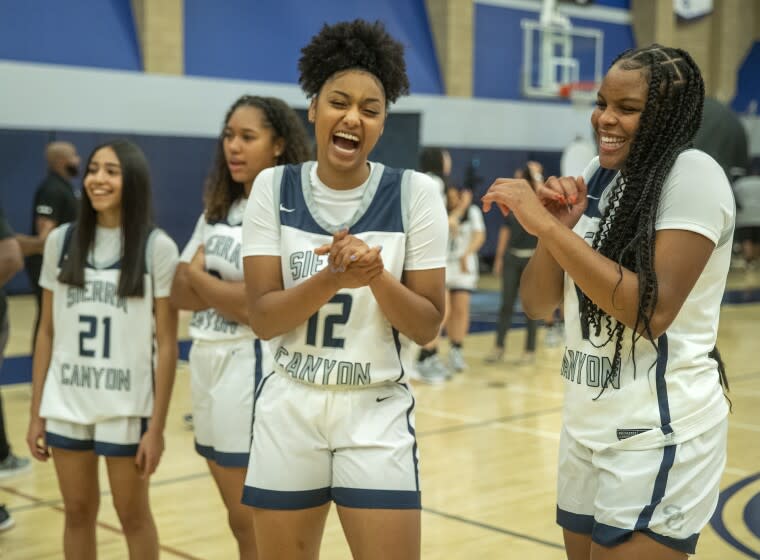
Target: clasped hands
pixel 351 262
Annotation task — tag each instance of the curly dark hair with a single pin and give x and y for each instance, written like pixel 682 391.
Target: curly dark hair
pixel 221 190
pixel 356 44
pixel 670 119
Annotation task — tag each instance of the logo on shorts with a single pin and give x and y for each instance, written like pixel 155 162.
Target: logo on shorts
pixel 381 399
pixel 674 518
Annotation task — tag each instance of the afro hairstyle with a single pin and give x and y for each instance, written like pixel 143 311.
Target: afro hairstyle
pixel 356 44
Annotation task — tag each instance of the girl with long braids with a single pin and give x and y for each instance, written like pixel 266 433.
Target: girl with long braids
pixel 226 359
pixel 342 256
pixel 640 246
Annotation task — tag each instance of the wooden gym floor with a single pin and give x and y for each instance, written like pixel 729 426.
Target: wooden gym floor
pixel 488 443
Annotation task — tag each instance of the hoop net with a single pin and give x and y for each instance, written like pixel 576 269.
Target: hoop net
pixel 581 94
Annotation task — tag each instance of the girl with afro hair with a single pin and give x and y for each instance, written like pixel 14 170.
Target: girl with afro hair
pixel 344 262
pixel 640 247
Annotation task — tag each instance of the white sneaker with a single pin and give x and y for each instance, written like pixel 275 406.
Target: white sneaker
pixel 432 371
pixel 554 335
pixel 495 356
pixel 456 360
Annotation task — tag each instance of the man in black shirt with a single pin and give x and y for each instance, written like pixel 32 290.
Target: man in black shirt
pixel 10 264
pixel 55 203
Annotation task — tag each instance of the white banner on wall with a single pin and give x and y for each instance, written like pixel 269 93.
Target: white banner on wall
pixel 692 9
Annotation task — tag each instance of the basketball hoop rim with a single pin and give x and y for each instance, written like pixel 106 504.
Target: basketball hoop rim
pixel 580 93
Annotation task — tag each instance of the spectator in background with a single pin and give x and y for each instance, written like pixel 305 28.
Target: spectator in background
pixel 55 203
pixel 10 264
pixel 722 135
pixel 747 193
pixel 513 251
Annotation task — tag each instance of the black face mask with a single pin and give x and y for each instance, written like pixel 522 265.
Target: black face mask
pixel 72 170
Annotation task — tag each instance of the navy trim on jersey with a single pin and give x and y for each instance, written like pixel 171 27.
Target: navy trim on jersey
pixel 382 213
pixel 662 387
pixel 285 500
pixel 257 373
pixel 376 499
pixel 222 458
pixel 575 522
pixel 585 329
pixel 293 210
pixel 599 181
pixel 397 344
pixel 114 266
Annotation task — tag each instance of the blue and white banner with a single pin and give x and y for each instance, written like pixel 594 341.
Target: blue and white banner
pixel 692 9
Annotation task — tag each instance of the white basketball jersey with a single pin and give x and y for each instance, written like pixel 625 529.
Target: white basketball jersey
pixel 674 395
pixel 102 360
pixel 348 341
pixel 222 243
pixel 470 224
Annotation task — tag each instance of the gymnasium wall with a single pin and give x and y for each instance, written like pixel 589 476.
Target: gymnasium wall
pixel 61 80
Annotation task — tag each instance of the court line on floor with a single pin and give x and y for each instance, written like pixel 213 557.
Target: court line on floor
pixel 471 422
pixel 494 528
pixel 101 524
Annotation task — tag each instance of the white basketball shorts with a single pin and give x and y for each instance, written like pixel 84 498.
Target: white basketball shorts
pixel 311 444
pixel 223 376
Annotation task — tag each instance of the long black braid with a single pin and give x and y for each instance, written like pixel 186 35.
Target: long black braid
pixel 670 119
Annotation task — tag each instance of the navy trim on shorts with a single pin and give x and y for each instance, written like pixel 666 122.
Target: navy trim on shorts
pixel 668 457
pixel 221 458
pixel 376 499
pixel 115 449
pixel 285 500
pixel 607 535
pixel 575 522
pixel 455 290
pixel 414 437
pixel 63 442
pixel 99 447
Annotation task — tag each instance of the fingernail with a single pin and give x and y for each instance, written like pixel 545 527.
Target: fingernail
pixel 353 257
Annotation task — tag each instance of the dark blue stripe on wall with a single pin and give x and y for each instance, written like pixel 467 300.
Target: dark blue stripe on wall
pixel 100 34
pixel 273 33
pixel 748 81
